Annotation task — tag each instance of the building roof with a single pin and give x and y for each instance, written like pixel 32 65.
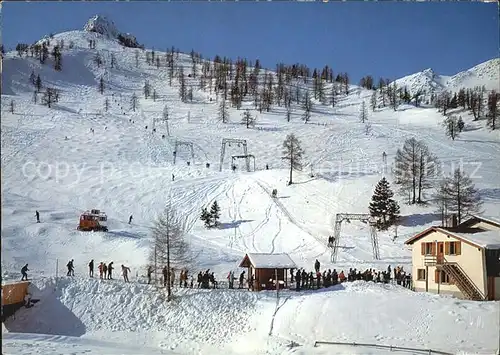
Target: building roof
pixel 483 239
pixel 478 237
pixel 268 261
pixel 489 219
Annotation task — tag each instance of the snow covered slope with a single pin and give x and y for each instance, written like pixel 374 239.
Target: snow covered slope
pixel 51 162
pixel 487 74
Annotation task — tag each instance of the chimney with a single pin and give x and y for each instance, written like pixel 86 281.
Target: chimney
pixel 454 221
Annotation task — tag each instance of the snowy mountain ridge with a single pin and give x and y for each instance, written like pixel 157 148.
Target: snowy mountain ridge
pixel 103 25
pixel 486 73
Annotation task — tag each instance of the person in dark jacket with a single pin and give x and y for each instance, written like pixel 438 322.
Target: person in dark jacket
pixel 200 279
pixel 71 268
pixel 130 219
pixel 37 214
pixel 242 278
pixel 110 271
pixel 165 276
pixel 150 272
pixel 24 272
pixel 105 270
pixel 316 265
pixel 91 268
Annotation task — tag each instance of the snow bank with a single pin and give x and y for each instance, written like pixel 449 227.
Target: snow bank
pixel 74 307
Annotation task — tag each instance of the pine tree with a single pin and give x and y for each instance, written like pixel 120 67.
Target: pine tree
pixel 452 127
pixel 363 112
pixel 383 207
pixel 38 83
pixel 50 96
pixel 98 59
pixel 56 53
pixel 373 101
pixel 223 111
pixel 205 217
pixel 182 85
pixel 307 106
pixel 215 213
pixel 147 89
pixel 165 119
pixel 493 109
pixel 12 106
pixel 460 124
pixel 101 85
pixel 335 93
pixel 106 104
pixel 292 152
pixel 248 119
pixel 288 113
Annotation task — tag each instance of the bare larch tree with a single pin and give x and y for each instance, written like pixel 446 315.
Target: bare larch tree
pixel 293 153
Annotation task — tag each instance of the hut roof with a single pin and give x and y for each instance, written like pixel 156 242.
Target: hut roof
pixel 268 261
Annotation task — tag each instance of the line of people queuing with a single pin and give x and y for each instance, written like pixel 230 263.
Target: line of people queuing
pixel 327 278
pixel 204 279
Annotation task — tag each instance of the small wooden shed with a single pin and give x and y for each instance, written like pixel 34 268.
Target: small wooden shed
pixel 266 268
pixel 13 297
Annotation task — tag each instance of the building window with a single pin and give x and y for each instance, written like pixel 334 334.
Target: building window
pixel 428 248
pixel 445 278
pixel 453 248
pixel 421 274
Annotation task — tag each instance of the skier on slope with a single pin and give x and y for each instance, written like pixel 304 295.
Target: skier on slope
pixel 125 271
pixel 150 272
pixel 91 268
pixel 24 272
pixel 71 268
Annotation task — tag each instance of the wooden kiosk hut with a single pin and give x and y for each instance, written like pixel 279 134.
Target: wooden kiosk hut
pixel 266 269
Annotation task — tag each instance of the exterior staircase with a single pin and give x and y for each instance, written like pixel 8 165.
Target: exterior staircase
pixel 462 281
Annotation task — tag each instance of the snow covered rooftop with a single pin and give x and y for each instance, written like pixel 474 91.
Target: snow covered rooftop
pixel 268 261
pixel 490 219
pixel 485 239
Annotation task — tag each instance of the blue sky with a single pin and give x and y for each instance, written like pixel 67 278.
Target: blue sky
pixel 389 39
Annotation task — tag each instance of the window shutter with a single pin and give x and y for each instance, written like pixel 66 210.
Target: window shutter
pixel 446 248
pixel 436 276
pixel 458 248
pixel 433 248
pixel 422 247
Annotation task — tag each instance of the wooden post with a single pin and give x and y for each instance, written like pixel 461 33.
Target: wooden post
pixel 426 278
pixel 439 281
pixel 277 282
